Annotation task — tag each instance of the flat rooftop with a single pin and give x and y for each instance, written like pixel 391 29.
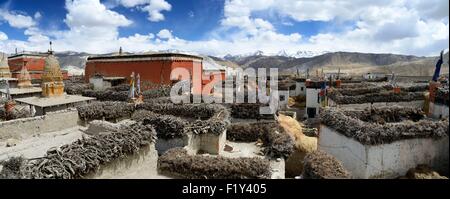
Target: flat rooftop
pixel 29 54
pixel 8 79
pixel 19 91
pixel 142 55
pixel 113 78
pixel 53 101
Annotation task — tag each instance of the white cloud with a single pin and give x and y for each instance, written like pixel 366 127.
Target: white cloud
pixel 37 15
pixel 154 8
pixel 91 13
pixel 3 36
pixel 132 3
pixel 16 20
pixel 165 34
pixel 415 27
pixel 92 27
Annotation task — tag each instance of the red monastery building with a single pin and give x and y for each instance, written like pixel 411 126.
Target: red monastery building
pixel 155 68
pixel 34 62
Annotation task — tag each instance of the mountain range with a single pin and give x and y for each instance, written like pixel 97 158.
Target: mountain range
pixel 348 62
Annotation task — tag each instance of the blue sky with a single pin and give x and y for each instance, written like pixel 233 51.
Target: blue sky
pixel 220 27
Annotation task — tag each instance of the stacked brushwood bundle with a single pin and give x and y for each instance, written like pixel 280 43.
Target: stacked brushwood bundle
pixel 160 91
pixel 320 165
pixel 76 88
pixel 119 88
pixel 246 132
pixel 366 93
pixel 16 113
pixel 386 96
pixel 382 116
pixel 108 110
pixel 277 143
pixel 140 115
pixel 211 118
pixel 159 100
pixel 416 88
pixel 166 126
pixel 198 111
pixel 177 162
pixel 358 85
pixel 106 95
pixel 115 93
pixel 370 133
pixel 11 168
pixel 86 155
pixel 360 91
pixel 248 111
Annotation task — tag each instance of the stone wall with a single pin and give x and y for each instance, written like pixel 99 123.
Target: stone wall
pixel 26 127
pixel 385 160
pixel 413 104
pixel 142 165
pixel 439 110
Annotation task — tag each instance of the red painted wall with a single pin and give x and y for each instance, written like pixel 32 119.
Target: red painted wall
pixel 156 71
pixel 35 67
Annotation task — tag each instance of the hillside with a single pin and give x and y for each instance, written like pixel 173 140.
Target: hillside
pixel 348 62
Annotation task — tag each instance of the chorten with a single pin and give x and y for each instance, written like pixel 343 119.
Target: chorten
pixel 4 67
pixel 52 79
pixel 24 78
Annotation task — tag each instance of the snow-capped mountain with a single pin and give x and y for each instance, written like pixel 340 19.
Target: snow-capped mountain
pixel 282 53
pixel 306 54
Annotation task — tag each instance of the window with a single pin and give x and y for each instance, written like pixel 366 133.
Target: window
pixel 318 97
pixel 301 88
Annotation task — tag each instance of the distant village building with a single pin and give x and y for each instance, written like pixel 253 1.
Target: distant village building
pixel 369 76
pixel 34 62
pixel 335 75
pixel 315 93
pixel 300 87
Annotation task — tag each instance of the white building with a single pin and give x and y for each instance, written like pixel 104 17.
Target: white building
pixel 313 99
pixel 300 88
pixel 335 75
pixel 373 76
